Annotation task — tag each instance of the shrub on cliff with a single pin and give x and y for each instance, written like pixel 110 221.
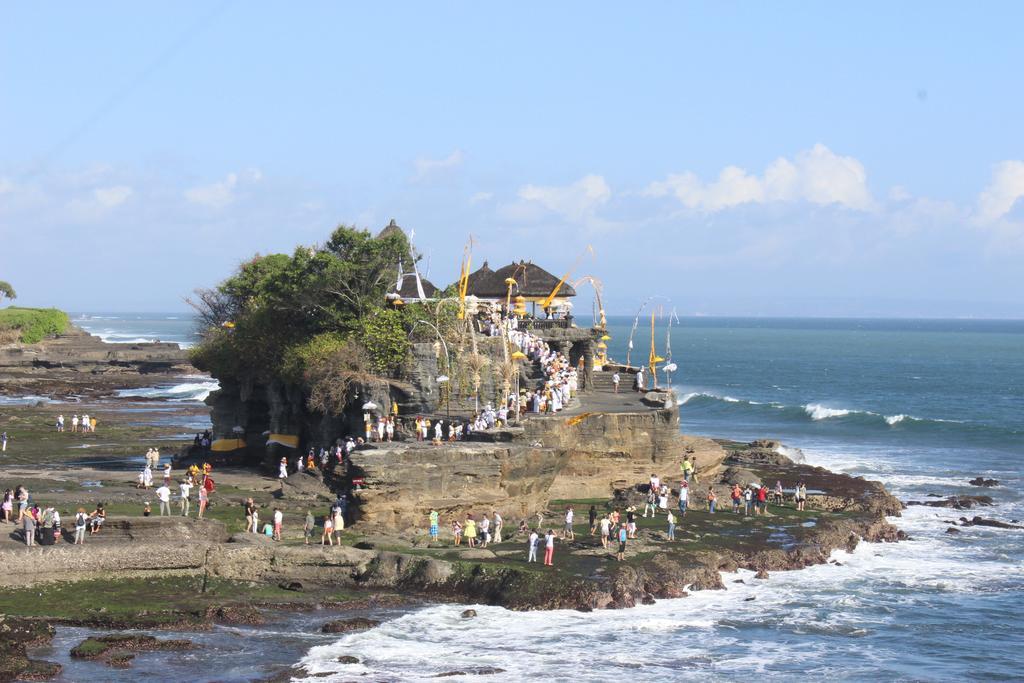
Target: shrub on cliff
pixel 32 325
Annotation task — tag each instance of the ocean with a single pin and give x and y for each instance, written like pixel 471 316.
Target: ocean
pixel 922 406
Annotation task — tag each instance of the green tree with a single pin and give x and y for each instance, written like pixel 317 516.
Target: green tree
pixel 7 291
pixel 258 323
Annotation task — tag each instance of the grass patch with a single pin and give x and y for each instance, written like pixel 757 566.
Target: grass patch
pixel 143 601
pixel 33 324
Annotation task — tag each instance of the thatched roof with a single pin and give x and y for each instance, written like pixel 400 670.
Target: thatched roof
pixel 408 288
pixel 531 281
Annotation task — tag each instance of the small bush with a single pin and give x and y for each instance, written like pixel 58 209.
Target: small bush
pixel 32 324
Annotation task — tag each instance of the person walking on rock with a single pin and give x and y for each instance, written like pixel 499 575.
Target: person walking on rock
pixel 184 491
pixel 81 521
pixel 531 555
pixel 712 499
pixel 163 494
pixel 684 498
pixel 327 538
pixel 671 526
pixel 278 519
pixel 623 536
pixel 307 528
pixel 549 548
pixel 434 520
pixel 29 528
pixel 498 524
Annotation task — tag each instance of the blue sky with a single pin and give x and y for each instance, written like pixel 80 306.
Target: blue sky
pixel 738 158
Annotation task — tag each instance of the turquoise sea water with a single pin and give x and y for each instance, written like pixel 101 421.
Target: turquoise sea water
pixel 922 406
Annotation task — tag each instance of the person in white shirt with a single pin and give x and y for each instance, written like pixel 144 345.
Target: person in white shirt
pixel 184 489
pixel 164 495
pixel 498 523
pixel 568 533
pixel 615 382
pixel 278 518
pixel 532 555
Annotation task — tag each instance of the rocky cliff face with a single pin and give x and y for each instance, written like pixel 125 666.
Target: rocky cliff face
pixel 407 481
pixel 77 362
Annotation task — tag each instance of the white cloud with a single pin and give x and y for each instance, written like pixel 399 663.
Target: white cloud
pixel 816 175
pixel 220 194
pixel 1005 188
pixel 427 167
pixel 574 202
pixel 481 197
pixel 110 197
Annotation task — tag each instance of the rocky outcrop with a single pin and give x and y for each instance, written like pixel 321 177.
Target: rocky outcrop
pixel 77 363
pixel 406 481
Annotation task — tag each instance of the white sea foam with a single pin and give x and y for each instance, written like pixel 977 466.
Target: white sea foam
pixel 794 454
pixel 187 391
pixel 796 622
pixel 816 411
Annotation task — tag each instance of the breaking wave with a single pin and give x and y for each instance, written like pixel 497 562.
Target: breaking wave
pixel 195 391
pixel 814 412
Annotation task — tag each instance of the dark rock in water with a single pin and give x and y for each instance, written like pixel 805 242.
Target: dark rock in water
pixel 981 481
pixel 981 521
pixel 349 625
pixel 290 586
pixel 739 581
pixel 584 608
pixel 952 530
pixel 933 495
pixel 761 574
pixel 750 599
pixel 348 659
pixel 477 671
pixel 955 502
pixel 647 600
pixel 16 635
pixel 235 615
pixel 468 614
pixel 121 661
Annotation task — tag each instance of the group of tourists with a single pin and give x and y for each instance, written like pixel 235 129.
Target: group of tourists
pixel 196 477
pixel 203 441
pixel 617 527
pixel 80 425
pixel 379 429
pixel 42 525
pixel 560 382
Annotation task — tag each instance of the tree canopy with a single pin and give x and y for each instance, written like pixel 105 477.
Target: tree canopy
pixel 7 291
pixel 281 317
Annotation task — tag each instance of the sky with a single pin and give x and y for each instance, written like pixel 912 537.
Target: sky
pixel 786 158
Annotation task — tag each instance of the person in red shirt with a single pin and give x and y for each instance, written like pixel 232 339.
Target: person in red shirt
pixel 762 498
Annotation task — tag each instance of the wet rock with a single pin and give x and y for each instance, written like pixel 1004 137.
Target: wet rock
pixel 739 581
pixel 647 600
pixel 761 574
pixel 475 671
pixel 981 481
pixel 236 615
pixel 955 502
pixel 348 659
pixel 468 614
pixel 952 530
pixel 349 625
pixel 995 523
pixel 290 586
pixel 750 599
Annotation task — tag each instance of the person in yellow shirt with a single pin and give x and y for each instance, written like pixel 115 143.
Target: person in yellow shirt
pixel 470 531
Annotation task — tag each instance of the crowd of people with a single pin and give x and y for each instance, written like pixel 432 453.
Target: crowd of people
pixel 83 424
pixel 42 525
pixel 617 527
